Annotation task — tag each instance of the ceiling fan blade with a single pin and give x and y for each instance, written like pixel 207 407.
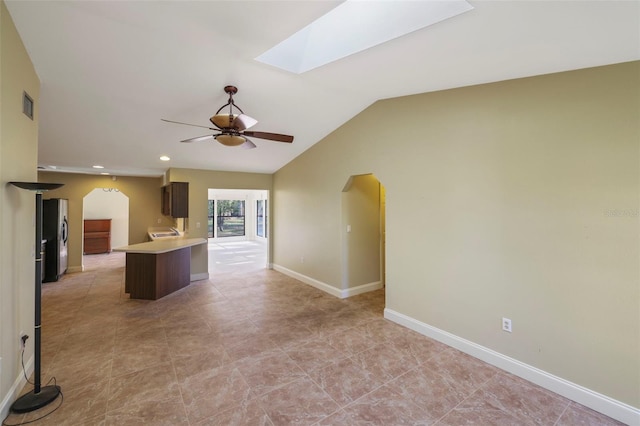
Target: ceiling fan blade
pixel 187 124
pixel 248 144
pixel 243 122
pixel 269 136
pixel 198 139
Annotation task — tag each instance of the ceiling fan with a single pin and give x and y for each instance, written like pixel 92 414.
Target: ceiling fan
pixel 231 126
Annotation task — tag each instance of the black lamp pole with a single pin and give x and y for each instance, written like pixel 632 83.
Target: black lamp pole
pixel 39 396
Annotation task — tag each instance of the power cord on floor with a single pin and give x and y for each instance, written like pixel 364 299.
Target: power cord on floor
pixel 24 372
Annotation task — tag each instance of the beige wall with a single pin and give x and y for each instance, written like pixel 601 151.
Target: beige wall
pixel 517 199
pixel 18 154
pixel 144 205
pixel 199 183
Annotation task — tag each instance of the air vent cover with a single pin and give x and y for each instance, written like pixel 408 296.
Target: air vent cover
pixel 27 105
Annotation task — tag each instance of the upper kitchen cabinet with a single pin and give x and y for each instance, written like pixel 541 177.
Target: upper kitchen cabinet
pixel 175 199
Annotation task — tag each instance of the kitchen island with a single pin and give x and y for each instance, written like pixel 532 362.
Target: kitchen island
pixel 158 268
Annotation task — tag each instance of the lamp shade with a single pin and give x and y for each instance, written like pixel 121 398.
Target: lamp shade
pixel 230 140
pixel 37 186
pixel 223 120
pixel 233 121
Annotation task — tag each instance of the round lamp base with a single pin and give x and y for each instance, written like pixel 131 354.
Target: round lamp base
pixel 33 401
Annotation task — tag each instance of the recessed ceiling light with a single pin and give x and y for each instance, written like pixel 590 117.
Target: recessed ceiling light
pixel 98 167
pixel 165 158
pixel 354 26
pixel 104 173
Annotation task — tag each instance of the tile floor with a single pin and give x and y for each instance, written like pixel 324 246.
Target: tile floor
pixel 229 256
pixel 260 348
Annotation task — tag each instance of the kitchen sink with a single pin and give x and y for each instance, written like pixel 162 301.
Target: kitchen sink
pixel 163 233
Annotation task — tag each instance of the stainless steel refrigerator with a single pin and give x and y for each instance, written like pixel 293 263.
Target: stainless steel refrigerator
pixel 55 230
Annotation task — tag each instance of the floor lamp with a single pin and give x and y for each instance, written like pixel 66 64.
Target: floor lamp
pixel 39 396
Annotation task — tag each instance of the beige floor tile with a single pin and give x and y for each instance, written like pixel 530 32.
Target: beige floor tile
pixel 383 407
pixel 77 406
pixel 130 359
pixel 425 387
pixel 154 383
pixel 214 391
pixel 166 412
pixel 314 354
pixel 460 368
pixel 578 415
pixel 268 371
pixel 248 413
pixel 191 363
pixel 260 348
pixel 385 362
pixel 350 341
pixel 80 370
pixel 508 400
pixel 345 381
pixel 301 402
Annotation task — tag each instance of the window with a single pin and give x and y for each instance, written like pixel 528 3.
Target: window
pixel 261 218
pixel 230 221
pixel 210 218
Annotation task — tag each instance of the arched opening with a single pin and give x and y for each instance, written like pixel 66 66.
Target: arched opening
pixel 107 204
pixel 363 244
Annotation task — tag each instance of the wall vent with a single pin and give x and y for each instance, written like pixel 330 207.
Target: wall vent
pixel 27 105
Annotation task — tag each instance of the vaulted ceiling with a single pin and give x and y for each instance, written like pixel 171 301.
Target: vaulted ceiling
pixel 110 70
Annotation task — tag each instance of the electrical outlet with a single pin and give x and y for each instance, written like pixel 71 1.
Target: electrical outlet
pixel 23 339
pixel 506 324
pixel 301 259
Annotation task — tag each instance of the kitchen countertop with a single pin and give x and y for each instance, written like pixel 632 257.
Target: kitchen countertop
pixel 161 246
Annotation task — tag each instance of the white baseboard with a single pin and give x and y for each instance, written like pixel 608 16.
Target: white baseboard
pixel 199 277
pixel 308 280
pixel 364 288
pixel 73 269
pixel 587 397
pixel 15 389
pixel 342 294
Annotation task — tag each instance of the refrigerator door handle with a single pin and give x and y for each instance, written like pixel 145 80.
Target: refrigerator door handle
pixel 65 234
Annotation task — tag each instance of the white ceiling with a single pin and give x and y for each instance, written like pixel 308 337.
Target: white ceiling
pixel 111 70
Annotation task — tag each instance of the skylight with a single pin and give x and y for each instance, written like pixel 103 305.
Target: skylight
pixel 354 26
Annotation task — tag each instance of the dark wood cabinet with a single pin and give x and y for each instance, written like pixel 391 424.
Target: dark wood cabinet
pixel 152 276
pixel 175 199
pixel 97 236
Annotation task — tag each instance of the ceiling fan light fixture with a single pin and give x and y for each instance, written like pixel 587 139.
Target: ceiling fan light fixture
pixel 232 126
pixel 230 140
pixel 223 121
pixel 248 145
pixel 243 122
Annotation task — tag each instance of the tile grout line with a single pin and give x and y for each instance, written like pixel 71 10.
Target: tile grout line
pixel 562 414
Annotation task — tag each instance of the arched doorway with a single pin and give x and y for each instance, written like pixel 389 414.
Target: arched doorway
pixel 109 203
pixel 363 245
